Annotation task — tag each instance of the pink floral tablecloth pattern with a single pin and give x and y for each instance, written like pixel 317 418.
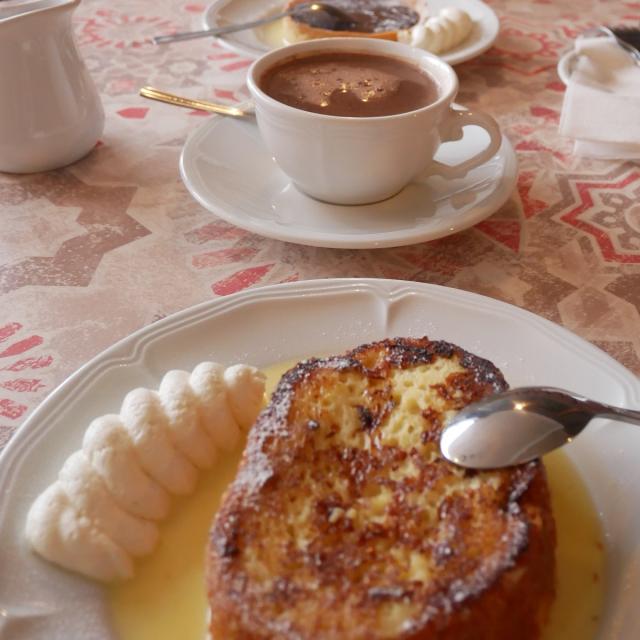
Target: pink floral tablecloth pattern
pixel 92 252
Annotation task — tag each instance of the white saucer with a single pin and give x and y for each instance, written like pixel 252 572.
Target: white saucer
pixel 228 170
pixel 253 43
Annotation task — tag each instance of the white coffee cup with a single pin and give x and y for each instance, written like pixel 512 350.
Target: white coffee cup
pixel 358 160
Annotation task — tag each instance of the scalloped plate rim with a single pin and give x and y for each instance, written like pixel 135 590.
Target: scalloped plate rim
pixel 138 339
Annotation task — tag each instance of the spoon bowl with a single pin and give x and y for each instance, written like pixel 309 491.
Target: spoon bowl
pixel 520 425
pixel 324 16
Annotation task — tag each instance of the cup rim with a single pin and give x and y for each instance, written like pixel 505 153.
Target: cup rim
pixel 372 45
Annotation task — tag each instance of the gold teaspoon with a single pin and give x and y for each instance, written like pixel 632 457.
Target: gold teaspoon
pixel 190 103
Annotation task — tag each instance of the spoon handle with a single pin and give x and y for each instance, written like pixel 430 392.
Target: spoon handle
pixel 615 413
pixel 218 31
pixel 180 101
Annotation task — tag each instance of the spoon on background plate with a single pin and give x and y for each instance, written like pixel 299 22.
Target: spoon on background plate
pixel 316 14
pixel 521 424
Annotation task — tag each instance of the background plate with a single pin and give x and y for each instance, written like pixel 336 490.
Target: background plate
pixel 272 324
pixel 249 43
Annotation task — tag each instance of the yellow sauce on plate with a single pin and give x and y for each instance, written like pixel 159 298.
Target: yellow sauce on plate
pixel 166 599
pixel 575 614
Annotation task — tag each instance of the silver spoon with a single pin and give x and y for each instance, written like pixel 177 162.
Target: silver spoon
pixel 317 14
pixel 521 424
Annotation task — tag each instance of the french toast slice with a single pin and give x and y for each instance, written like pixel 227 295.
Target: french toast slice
pixel 344 521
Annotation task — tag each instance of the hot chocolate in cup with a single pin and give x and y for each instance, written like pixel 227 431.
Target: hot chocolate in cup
pixel 391 118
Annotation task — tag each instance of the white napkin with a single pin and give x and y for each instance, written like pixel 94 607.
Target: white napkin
pixel 601 109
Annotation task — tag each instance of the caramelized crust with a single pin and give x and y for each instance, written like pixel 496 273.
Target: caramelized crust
pixel 344 521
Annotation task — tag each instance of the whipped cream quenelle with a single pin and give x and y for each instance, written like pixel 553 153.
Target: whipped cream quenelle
pixel 103 510
pixel 440 33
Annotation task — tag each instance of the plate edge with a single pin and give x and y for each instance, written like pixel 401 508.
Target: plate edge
pixel 136 342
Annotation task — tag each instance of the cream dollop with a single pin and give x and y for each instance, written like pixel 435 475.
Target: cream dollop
pixel 111 453
pixel 245 391
pixel 216 416
pixel 103 509
pixel 441 33
pixel 88 493
pixel 148 426
pixel 60 533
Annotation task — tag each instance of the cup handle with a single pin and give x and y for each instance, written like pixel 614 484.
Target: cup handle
pixel 451 131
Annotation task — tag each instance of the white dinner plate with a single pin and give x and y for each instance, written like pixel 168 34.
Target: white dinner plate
pixel 252 42
pixel 279 323
pixel 228 170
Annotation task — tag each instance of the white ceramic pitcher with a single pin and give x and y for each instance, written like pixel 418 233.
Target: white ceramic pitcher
pixel 50 111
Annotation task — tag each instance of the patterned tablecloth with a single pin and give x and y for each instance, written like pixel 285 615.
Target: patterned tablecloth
pixel 93 252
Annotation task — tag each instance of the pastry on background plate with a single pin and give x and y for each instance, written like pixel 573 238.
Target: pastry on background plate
pixel 344 520
pixel 371 18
